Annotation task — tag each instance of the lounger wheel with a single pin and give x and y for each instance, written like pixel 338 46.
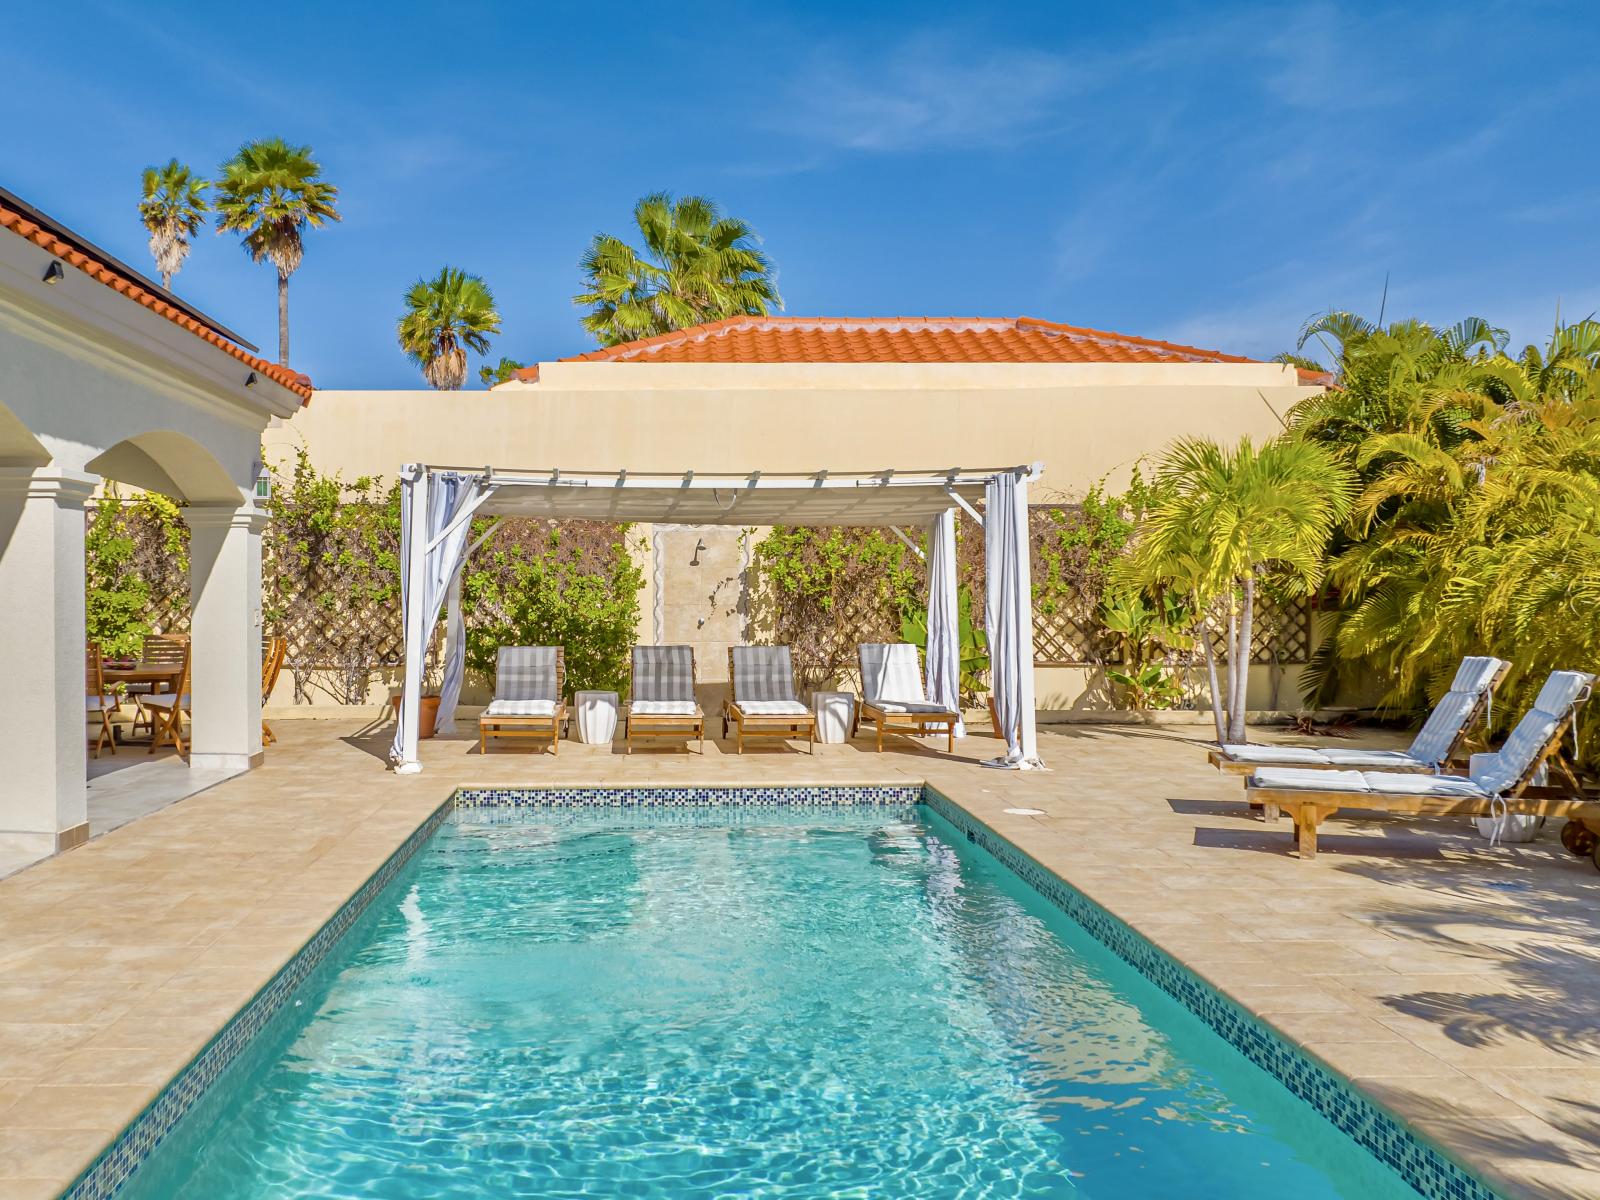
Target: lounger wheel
pixel 1580 841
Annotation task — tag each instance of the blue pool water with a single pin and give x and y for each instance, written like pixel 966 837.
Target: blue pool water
pixel 721 1003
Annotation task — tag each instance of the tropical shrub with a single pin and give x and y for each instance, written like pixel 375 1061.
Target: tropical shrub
pixel 1477 527
pixel 573 585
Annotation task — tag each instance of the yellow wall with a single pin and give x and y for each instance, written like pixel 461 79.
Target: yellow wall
pixel 1084 423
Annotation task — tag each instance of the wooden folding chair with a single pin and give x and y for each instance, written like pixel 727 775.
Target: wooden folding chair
pixel 272 651
pixel 166 710
pixel 101 701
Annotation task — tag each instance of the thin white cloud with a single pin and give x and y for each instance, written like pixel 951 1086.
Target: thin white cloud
pixel 927 93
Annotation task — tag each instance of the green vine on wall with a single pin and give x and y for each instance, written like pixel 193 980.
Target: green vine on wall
pixel 136 562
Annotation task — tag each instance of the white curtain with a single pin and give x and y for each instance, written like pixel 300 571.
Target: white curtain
pixel 435 521
pixel 455 655
pixel 1009 617
pixel 944 619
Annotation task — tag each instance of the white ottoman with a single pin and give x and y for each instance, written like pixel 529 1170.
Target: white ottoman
pixel 836 712
pixel 597 716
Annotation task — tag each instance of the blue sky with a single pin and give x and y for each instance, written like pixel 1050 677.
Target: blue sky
pixel 1211 173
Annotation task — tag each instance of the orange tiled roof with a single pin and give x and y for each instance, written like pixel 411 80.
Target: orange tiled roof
pixel 897 340
pixel 50 241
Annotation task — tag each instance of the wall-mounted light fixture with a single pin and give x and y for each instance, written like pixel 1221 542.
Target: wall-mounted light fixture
pixel 250 379
pixel 54 273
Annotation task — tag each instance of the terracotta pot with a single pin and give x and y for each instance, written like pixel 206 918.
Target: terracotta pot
pixel 426 715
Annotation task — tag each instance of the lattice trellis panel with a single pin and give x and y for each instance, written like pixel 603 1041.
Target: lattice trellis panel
pixel 1280 635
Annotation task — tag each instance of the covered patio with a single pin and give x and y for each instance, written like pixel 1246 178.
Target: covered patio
pixel 438 505
pixel 105 376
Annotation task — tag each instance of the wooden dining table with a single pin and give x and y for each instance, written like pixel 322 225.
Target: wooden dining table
pixel 162 677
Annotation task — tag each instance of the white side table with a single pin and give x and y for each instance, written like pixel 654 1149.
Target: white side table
pixel 836 712
pixel 597 716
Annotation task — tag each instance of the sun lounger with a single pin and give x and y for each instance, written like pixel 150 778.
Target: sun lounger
pixel 762 700
pixel 1439 741
pixel 1500 781
pixel 528 703
pixel 661 700
pixel 892 695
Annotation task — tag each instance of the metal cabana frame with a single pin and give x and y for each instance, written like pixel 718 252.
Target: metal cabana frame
pixel 441 502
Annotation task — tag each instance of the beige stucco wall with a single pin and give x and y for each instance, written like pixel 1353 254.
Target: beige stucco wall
pixel 1084 423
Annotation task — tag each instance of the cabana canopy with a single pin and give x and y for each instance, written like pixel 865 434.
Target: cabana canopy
pixel 440 502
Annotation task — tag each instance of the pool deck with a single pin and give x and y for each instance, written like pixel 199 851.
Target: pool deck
pixel 1457 984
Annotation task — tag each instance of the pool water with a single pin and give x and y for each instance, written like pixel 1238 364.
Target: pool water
pixel 722 1003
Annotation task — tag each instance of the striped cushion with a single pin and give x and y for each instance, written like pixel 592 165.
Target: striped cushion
pixel 525 673
pixel 1508 766
pixel 890 672
pixel 762 674
pixel 663 673
pixel 1444 723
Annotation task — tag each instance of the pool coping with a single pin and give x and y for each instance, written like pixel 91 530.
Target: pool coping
pixel 1427 1168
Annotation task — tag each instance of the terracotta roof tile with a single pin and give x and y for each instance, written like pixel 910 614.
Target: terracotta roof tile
pixel 47 240
pixel 896 340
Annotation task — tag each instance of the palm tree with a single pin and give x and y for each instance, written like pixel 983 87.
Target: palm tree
pixel 173 208
pixel 499 373
pixel 270 192
pixel 697 265
pixel 445 317
pixel 1226 520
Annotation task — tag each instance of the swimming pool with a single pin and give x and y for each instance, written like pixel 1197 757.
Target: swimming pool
pixel 693 1002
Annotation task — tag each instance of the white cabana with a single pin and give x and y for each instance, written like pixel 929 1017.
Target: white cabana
pixel 441 502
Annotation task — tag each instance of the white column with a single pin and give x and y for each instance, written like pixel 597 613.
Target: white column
pixel 43 792
pixel 225 633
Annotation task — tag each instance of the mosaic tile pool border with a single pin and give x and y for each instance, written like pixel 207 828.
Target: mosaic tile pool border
pixel 1379 1132
pixel 116 1164
pixel 692 796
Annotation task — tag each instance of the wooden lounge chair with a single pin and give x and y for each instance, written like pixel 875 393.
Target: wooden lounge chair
pixel 661 701
pixel 1499 782
pixel 272 651
pixel 528 696
pixel 165 710
pixel 1442 738
pixel 761 700
pixel 892 695
pixel 100 700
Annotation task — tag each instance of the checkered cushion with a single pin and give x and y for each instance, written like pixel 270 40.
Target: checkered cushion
pixel 526 673
pixel 664 708
pixel 521 708
pixel 762 674
pixel 773 708
pixel 1443 726
pixel 663 673
pixel 890 672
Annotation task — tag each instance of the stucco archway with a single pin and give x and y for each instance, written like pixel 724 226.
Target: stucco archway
pixel 171 463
